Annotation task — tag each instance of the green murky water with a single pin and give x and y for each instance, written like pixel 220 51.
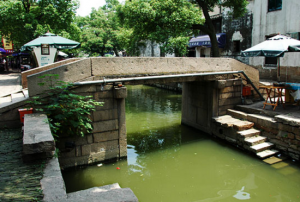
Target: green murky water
pixel 169 162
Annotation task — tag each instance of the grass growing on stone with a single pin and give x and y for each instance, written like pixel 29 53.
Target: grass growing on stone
pixel 19 181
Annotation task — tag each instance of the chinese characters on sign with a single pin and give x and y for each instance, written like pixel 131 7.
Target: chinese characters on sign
pixel 7 44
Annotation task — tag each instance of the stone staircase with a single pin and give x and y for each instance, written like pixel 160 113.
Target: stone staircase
pixel 243 134
pixel 13 98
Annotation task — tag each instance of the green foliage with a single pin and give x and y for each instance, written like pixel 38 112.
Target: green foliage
pixel 100 30
pixel 171 22
pixel 68 113
pixel 24 20
pixel 167 22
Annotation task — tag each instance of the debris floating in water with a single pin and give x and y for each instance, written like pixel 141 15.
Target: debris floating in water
pixel 100 164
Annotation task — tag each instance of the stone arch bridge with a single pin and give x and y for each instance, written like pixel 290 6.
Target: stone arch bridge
pixel 210 87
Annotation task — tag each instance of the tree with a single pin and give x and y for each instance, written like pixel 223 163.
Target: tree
pixel 100 30
pixel 161 20
pixel 24 20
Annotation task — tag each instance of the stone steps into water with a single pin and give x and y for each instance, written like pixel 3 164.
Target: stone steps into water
pixel 267 153
pixel 229 121
pixel 249 133
pixel 249 136
pixel 261 147
pixel 255 140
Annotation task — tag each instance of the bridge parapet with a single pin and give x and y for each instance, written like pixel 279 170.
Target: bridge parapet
pixel 119 67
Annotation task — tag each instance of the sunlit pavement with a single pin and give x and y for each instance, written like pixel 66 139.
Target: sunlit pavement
pixel 9 82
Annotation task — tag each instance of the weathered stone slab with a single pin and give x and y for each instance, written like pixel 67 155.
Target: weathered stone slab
pixel 272 160
pixel 103 115
pixel 120 92
pixel 37 135
pixel 255 140
pixel 286 119
pixel 111 193
pixel 105 136
pixel 105 126
pixel 267 153
pixel 53 185
pixel 249 133
pixel 262 146
pixel 237 114
pixel 242 125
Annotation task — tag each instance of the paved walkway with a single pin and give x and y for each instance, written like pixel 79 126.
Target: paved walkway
pixel 18 181
pixel 10 82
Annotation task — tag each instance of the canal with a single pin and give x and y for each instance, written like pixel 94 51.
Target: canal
pixel 170 162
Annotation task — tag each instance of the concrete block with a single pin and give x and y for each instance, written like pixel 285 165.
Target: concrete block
pixel 105 126
pixel 105 115
pixel 109 103
pixel 104 155
pixel 221 84
pixel 103 95
pixel 37 135
pixel 120 93
pixel 89 138
pixel 86 150
pixel 104 146
pixel 106 136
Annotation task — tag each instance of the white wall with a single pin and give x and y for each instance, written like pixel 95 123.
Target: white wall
pixel 282 21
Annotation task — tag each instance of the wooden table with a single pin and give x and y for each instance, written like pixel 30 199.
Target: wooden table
pixel 272 98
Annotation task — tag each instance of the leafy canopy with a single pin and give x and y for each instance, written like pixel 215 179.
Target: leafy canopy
pixel 101 30
pixel 24 20
pixel 164 21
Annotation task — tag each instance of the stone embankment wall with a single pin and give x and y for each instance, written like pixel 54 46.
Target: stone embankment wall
pixel 280 130
pixel 108 140
pixel 209 98
pixel 229 94
pixel 284 133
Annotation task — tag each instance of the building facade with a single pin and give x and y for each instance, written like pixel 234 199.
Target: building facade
pixel 272 17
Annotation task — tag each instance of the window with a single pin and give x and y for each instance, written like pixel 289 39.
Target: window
pixel 236 46
pixel 271 61
pixel 274 5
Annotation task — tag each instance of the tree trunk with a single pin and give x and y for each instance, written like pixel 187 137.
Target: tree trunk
pixel 209 29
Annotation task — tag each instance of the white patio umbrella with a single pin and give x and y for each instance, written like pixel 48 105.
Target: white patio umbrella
pixel 273 47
